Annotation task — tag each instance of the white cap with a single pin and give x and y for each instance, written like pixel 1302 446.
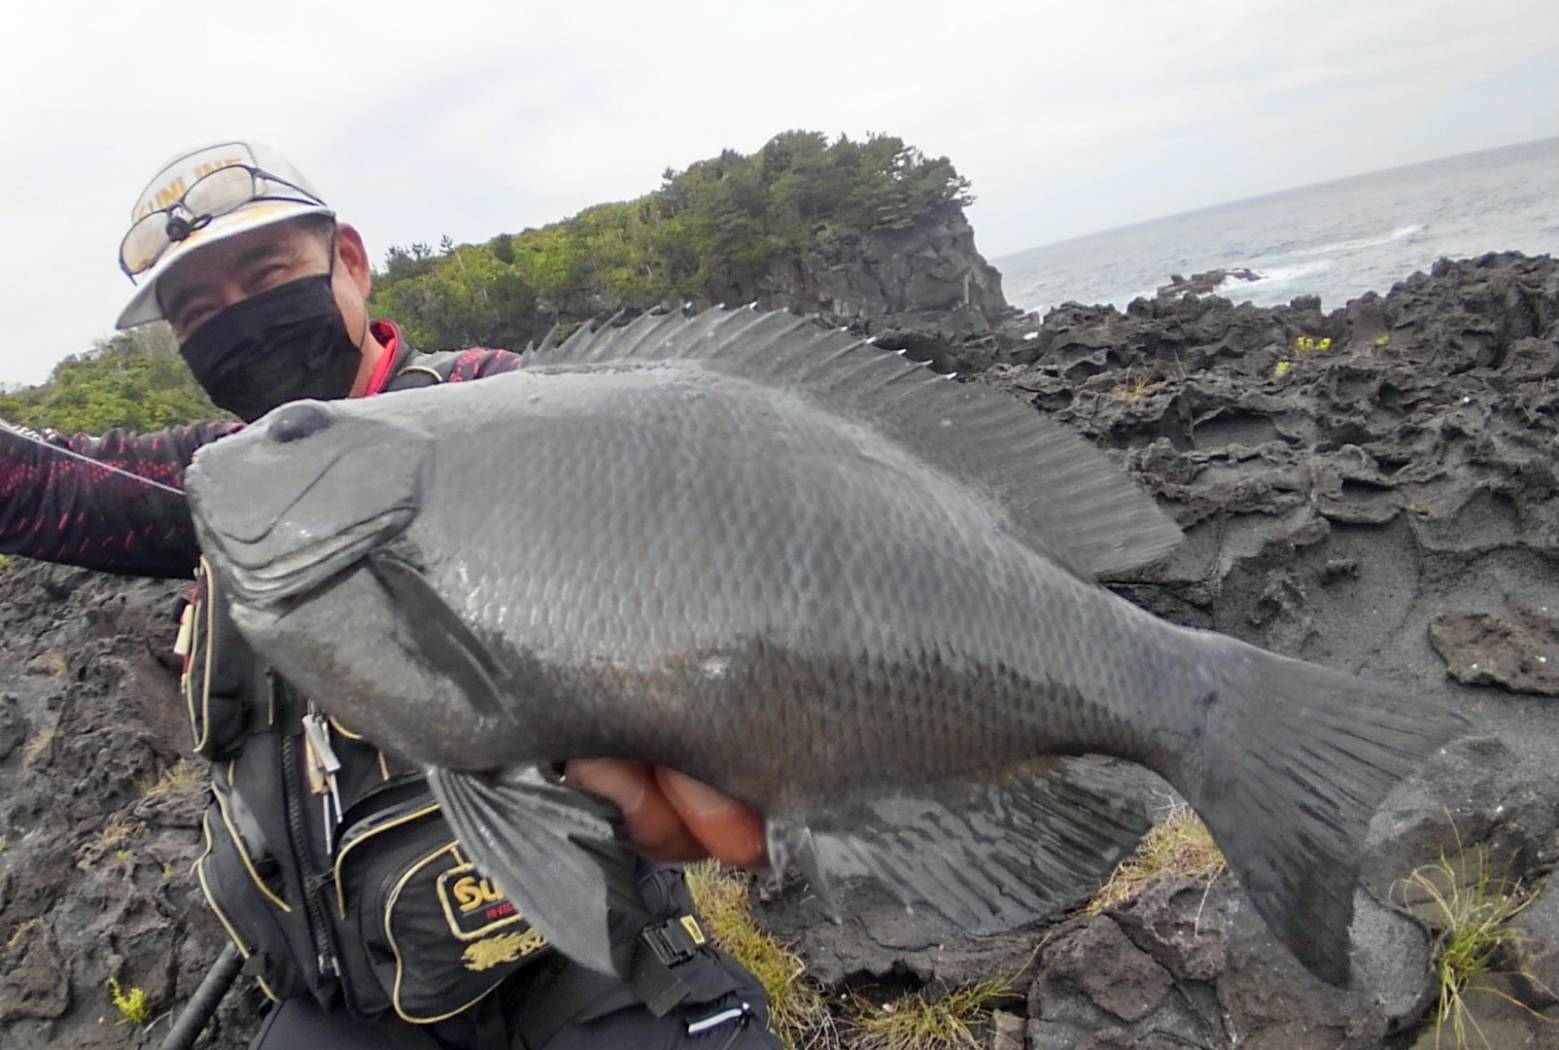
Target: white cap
pixel 179 174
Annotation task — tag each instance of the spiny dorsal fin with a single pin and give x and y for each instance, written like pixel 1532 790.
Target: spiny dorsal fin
pixel 1057 489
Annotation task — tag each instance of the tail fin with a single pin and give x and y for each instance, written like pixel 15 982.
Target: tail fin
pixel 1296 759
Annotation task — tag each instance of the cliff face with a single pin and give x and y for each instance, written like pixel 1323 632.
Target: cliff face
pixel 929 279
pixel 1375 489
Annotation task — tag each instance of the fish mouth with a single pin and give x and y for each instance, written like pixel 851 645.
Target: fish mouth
pixel 264 580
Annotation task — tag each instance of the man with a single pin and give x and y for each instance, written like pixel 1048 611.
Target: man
pixel 326 860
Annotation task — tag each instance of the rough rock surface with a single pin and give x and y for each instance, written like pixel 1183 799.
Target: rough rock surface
pixel 94 870
pixel 1515 650
pixel 1388 505
pixel 1204 283
pixel 920 286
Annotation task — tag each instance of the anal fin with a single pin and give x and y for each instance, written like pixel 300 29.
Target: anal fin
pixel 989 857
pixel 792 846
pixel 555 851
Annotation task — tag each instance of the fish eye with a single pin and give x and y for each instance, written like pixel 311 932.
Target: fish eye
pixel 297 421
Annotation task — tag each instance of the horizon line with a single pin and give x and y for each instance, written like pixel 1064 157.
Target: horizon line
pixel 1202 209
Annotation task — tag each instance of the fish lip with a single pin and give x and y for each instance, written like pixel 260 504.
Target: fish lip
pixel 272 581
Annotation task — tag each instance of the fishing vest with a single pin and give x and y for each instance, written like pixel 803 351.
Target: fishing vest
pixel 330 866
pixel 325 859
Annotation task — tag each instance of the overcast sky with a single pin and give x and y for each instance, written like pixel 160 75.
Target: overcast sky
pixel 416 119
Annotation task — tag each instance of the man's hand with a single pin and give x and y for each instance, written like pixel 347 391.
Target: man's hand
pixel 671 816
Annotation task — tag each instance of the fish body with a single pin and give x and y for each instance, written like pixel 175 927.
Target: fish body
pixel 856 596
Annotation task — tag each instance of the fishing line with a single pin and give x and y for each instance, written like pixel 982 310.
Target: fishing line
pixel 27 435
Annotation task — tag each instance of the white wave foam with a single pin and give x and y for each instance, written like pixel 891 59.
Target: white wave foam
pixel 1232 287
pixel 1360 243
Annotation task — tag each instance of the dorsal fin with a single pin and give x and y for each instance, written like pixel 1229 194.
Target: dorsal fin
pixel 1056 488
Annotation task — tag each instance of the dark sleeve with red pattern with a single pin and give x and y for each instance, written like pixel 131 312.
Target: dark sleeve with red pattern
pixel 482 361
pixel 58 508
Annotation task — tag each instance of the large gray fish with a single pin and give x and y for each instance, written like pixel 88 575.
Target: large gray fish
pixel 854 594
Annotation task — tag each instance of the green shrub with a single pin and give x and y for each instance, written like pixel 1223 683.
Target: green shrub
pixel 135 380
pixel 719 224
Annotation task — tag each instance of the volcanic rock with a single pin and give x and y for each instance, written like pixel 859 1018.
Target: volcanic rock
pixel 1374 489
pixel 1204 283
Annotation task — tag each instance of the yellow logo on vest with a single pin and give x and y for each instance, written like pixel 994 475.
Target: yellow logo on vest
pixel 473 905
pixel 502 948
pixel 472 893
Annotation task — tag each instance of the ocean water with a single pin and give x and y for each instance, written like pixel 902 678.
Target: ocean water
pixel 1335 239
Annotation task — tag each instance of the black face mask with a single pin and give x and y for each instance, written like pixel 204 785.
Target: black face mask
pixel 287 343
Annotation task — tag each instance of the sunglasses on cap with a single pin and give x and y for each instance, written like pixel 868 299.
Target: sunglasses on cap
pixel 210 196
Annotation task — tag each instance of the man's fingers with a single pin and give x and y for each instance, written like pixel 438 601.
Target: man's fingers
pixel 728 830
pixel 653 825
pixel 671 816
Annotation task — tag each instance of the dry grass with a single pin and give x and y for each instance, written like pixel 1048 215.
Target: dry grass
pixel 1135 388
pixel 117 833
pixel 798 1013
pixel 1469 907
pixel 20 935
pixel 183 774
pixel 802 1014
pixel 917 1022
pixel 1179 845
pixel 39 748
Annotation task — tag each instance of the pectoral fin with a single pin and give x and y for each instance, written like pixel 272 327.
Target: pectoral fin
pixel 989 857
pixel 444 641
pixel 557 852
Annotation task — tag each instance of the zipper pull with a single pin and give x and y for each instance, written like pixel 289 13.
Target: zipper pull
pixel 323 763
pixel 317 731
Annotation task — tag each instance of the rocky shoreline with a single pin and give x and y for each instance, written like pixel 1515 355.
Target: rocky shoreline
pixel 1375 488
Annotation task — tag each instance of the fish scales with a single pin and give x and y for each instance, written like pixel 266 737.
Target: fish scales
pixel 887 587
pixel 859 597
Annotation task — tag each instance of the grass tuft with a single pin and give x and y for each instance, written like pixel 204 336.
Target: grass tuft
pixel 1134 389
pixel 1469 908
pixel 20 935
pixel 39 748
pixel 177 777
pixel 917 1022
pixel 131 1003
pixel 1179 845
pixel 798 1013
pixel 118 832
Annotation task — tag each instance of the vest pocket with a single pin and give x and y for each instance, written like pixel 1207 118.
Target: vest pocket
pixel 223 872
pixel 242 835
pixel 435 937
pixel 218 668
